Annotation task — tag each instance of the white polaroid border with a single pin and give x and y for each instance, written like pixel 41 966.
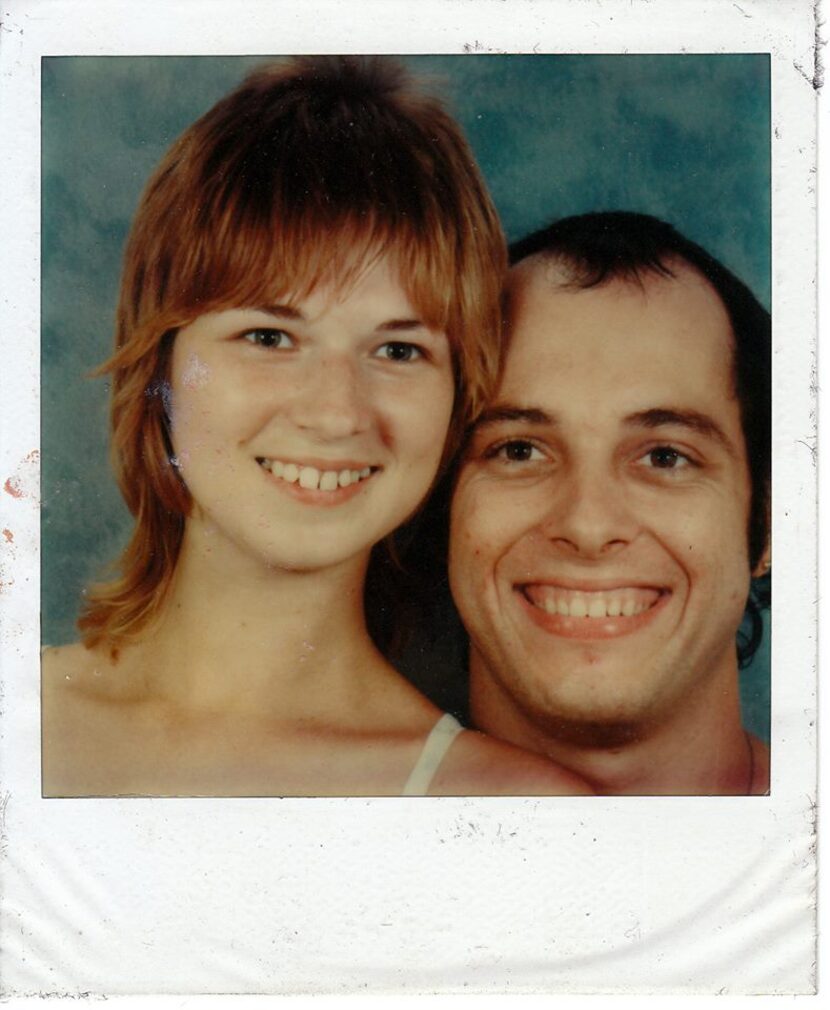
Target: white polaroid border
pixel 567 896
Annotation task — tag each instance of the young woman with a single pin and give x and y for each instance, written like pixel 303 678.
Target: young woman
pixel 308 318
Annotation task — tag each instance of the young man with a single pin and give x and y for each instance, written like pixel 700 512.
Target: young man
pixel 612 507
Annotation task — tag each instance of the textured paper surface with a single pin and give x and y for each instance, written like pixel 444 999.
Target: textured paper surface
pixel 541 896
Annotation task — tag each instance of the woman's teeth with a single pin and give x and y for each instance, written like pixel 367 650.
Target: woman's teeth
pixel 311 478
pixel 623 602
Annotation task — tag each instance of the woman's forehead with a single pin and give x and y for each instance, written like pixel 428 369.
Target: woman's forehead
pixel 335 278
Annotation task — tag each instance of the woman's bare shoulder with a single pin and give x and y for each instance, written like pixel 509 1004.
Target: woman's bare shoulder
pixel 480 765
pixel 65 660
pixel 74 672
pixel 77 717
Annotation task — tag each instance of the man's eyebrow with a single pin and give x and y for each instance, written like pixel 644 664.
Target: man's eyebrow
pixel 526 415
pixel 658 417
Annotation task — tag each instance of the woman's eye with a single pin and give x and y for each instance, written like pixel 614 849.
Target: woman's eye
pixel 270 338
pixel 664 457
pixel 396 350
pixel 516 451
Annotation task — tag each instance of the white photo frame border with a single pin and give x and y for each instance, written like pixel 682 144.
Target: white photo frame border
pixel 293 896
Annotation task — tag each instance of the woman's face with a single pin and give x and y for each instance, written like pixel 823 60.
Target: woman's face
pixel 307 431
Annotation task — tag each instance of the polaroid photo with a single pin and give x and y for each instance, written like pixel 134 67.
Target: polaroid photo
pixel 403 405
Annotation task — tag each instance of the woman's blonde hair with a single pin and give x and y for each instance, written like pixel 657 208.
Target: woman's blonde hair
pixel 301 176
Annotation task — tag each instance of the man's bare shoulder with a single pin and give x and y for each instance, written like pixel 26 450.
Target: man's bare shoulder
pixel 761 773
pixel 480 765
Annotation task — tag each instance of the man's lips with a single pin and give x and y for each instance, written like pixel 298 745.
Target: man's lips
pixel 625 601
pixel 592 612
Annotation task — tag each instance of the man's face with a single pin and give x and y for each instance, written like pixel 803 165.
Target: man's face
pixel 599 526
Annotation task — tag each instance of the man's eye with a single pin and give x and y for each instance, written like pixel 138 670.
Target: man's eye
pixel 271 338
pixel 515 451
pixel 664 457
pixel 396 350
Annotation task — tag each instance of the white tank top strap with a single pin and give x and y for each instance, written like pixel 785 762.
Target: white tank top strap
pixel 432 754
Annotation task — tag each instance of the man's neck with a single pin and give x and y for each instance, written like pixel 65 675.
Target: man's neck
pixel 702 749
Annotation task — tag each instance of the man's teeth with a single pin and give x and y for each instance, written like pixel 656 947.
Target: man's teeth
pixel 311 478
pixel 623 602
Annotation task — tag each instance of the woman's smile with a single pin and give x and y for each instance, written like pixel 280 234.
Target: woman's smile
pixel 325 485
pixel 311 476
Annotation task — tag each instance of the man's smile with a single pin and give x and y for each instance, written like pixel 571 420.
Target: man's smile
pixel 591 612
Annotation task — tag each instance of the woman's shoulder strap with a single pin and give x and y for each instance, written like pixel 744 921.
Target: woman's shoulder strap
pixel 432 754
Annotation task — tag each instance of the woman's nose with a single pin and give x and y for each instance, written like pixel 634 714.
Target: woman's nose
pixel 332 398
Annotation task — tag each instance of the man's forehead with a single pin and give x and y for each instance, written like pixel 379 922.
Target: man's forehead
pixel 621 350
pixel 556 274
pixel 545 305
pixel 548 269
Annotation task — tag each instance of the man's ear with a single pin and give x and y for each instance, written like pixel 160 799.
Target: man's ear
pixel 764 563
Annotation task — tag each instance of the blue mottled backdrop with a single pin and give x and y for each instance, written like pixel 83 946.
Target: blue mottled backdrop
pixel 685 138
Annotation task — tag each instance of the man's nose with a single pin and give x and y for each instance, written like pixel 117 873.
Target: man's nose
pixel 589 514
pixel 332 396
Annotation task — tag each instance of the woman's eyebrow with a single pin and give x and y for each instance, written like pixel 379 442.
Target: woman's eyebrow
pixel 389 326
pixel 286 311
pixel 400 326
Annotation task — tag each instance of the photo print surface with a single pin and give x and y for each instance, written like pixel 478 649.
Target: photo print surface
pixel 655 135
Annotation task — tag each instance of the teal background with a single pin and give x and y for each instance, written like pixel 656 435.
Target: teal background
pixel 685 138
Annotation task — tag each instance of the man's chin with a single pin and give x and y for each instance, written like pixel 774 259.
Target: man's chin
pixel 607 734
pixel 601 708
pixel 591 723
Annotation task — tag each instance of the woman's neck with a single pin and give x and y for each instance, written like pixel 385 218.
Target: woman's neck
pixel 238 635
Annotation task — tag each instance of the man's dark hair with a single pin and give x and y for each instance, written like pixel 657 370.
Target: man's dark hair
pixel 621 245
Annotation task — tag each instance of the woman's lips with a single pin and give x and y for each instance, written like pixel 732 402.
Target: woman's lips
pixel 312 477
pixel 314 485
pixel 595 613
